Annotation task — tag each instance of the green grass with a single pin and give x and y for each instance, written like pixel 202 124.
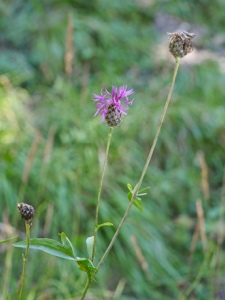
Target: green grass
pixel 116 42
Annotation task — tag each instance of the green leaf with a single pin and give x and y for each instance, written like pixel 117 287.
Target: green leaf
pixel 129 187
pixel 90 243
pixel 8 240
pixel 66 242
pixel 144 189
pixel 64 250
pixel 86 266
pixel 130 196
pixel 137 201
pixel 103 224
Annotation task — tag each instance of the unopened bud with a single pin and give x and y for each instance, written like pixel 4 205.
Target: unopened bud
pixel 26 212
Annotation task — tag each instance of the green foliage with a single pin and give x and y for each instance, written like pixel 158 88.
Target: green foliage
pixel 47 129
pixel 64 250
pixel 102 225
pixel 137 201
pixel 8 240
pixel 86 266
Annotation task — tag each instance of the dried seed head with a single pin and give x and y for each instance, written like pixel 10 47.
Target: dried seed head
pixel 113 116
pixel 181 43
pixel 26 212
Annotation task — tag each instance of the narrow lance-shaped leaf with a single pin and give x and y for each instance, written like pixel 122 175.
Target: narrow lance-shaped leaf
pixel 102 225
pixel 8 240
pixel 137 201
pixel 66 242
pixel 64 250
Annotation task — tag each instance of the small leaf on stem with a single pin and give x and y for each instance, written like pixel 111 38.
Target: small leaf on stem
pixel 90 243
pixel 86 266
pixel 103 224
pixel 137 201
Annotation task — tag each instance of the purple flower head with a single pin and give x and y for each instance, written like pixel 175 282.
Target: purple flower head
pixel 118 98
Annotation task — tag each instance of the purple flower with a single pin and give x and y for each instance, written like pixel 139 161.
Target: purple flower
pixel 118 99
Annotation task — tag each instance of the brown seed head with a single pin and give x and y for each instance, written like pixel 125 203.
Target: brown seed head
pixel 181 43
pixel 26 211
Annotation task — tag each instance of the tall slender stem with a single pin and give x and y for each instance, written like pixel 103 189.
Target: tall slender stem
pixel 25 257
pixel 142 174
pixel 99 192
pixel 145 166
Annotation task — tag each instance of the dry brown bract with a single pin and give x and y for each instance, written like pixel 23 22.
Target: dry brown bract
pixel 181 43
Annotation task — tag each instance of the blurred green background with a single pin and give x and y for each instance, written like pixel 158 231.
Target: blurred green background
pixel 53 56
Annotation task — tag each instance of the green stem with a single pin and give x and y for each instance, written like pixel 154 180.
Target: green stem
pixel 136 189
pixel 25 261
pixel 85 289
pixel 99 192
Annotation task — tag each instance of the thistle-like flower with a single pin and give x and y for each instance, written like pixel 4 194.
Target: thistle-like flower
pixel 181 43
pixel 112 106
pixel 26 212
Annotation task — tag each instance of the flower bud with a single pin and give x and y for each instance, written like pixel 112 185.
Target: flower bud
pixel 26 212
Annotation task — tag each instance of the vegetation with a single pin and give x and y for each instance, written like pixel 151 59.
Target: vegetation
pixel 54 56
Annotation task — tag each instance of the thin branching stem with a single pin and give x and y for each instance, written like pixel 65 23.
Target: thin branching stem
pixel 137 187
pixel 25 257
pixel 100 190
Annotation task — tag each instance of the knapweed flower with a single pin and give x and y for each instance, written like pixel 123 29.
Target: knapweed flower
pixel 26 212
pixel 181 43
pixel 112 106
